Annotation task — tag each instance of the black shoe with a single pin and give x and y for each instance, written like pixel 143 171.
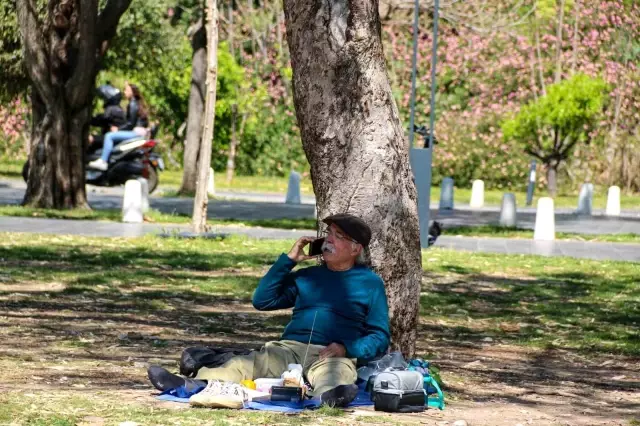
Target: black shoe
pixel 162 380
pixel 340 396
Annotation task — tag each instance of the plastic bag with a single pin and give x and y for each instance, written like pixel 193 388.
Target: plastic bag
pixel 389 361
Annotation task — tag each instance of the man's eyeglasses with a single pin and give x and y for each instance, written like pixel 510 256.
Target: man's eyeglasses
pixel 337 235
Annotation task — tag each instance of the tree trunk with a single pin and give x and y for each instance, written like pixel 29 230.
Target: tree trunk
pixel 231 29
pixel 558 74
pixel 543 86
pixel 574 50
pixel 231 157
pixel 62 53
pixel 552 179
pixel 195 111
pixel 56 160
pixel 612 145
pixel 200 202
pixel 354 141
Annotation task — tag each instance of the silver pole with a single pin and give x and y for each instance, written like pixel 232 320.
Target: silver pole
pixel 434 58
pixel 416 12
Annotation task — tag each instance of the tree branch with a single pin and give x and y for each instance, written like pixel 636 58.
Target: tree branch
pixel 33 46
pixel 535 154
pixel 558 74
pixel 108 21
pixel 565 147
pixel 78 86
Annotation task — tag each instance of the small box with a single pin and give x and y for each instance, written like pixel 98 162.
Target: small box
pixel 286 393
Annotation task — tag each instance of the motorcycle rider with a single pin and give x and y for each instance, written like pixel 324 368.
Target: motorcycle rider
pixel 136 125
pixel 113 114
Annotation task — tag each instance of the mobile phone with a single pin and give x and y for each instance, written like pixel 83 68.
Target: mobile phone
pixel 315 249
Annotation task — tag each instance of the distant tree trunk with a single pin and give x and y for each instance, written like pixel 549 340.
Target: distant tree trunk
pixel 233 145
pixel 354 141
pixel 543 86
pixel 558 74
pixel 574 50
pixel 231 29
pixel 196 109
pixel 552 178
pixel 279 35
pixel 612 145
pixel 62 53
pixel 200 202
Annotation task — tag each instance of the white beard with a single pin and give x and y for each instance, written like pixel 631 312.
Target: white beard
pixel 328 247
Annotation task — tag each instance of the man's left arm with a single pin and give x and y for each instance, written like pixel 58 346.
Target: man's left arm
pixel 376 339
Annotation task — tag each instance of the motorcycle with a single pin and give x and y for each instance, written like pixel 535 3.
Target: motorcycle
pixel 129 159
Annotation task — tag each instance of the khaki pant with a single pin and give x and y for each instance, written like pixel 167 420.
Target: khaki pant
pixel 274 357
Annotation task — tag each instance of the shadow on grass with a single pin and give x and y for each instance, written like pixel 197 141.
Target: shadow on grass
pixel 573 311
pixel 177 298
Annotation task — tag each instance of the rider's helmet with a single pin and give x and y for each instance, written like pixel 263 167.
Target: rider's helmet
pixel 109 94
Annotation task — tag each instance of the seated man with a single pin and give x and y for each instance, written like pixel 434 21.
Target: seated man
pixel 342 301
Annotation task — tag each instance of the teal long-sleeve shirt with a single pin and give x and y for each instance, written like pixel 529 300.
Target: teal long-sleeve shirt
pixel 351 306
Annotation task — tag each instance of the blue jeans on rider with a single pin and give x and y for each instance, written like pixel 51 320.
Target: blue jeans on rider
pixel 114 138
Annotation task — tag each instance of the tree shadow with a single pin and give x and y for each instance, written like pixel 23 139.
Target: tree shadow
pixel 569 321
pixel 123 305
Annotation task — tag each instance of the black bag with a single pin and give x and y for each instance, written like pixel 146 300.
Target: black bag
pixel 399 391
pixel 193 359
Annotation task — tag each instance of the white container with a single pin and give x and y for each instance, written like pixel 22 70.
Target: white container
pixel 265 385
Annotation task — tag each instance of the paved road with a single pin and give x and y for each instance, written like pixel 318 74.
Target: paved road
pixel 261 206
pixel 579 249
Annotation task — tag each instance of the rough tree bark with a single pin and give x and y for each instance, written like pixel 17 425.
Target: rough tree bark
pixel 354 141
pixel 558 74
pixel 200 201
pixel 62 53
pixel 196 109
pixel 552 179
pixel 574 50
pixel 231 157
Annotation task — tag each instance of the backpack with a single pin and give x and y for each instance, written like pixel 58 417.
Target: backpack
pixel 194 358
pixel 399 391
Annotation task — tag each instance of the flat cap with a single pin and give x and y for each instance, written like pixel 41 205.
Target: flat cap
pixel 351 225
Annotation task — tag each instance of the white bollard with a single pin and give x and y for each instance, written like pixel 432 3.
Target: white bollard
pixel 132 203
pixel 211 187
pixel 613 201
pixel 508 215
pixel 585 200
pixel 144 185
pixel 446 194
pixel 293 191
pixel 545 229
pixel 477 194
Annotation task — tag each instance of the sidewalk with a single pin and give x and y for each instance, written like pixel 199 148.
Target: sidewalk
pixel 577 249
pixel 252 206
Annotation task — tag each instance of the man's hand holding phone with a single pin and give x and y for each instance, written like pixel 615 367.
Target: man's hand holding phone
pixel 297 253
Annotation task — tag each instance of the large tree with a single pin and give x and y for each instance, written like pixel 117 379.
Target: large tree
pixel 63 45
pixel 196 107
pixel 200 201
pixel 354 141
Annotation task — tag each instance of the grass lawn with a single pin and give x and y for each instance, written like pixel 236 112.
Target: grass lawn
pixel 492 231
pixel 155 216
pixel 170 181
pixel 259 184
pixel 11 169
pixel 493 197
pixel 81 318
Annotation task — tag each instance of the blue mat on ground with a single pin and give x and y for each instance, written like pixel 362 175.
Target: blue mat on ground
pixel 362 399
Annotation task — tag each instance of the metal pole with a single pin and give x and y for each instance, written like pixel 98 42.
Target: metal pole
pixel 434 58
pixel 416 12
pixel 532 182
